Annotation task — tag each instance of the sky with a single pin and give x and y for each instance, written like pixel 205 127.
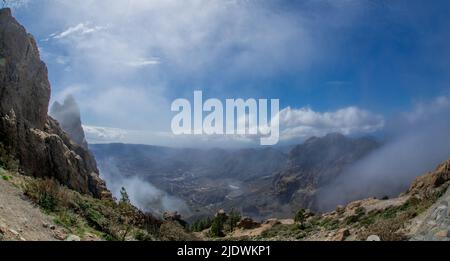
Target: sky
pixel 350 66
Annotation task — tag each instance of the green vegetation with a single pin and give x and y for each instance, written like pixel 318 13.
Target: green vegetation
pixel 233 219
pixel 201 224
pixel 82 214
pixel 216 229
pixel 388 222
pixel 284 232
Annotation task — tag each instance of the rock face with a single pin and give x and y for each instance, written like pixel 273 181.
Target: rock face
pixel 68 116
pixel 37 140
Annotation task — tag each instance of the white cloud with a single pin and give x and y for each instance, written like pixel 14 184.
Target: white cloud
pixel 296 125
pixel 79 29
pixel 303 123
pixel 95 134
pixel 143 62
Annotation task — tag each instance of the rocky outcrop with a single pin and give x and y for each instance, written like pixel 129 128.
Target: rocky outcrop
pixel 247 223
pixel 37 140
pixel 68 116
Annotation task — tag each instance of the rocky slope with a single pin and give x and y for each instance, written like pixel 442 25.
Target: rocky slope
pixel 421 213
pixel 37 140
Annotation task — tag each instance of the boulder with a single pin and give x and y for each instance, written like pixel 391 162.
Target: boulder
pixel 373 238
pixel 73 238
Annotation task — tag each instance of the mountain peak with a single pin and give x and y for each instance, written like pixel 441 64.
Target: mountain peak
pixel 68 115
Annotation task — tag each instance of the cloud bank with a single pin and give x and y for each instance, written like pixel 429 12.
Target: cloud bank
pixel 417 142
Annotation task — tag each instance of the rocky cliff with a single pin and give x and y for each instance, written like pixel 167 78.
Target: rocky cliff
pixel 37 140
pixel 68 116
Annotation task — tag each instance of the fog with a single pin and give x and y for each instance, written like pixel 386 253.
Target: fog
pixel 142 194
pixel 415 143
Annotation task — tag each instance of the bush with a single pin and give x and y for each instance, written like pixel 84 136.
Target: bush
pixel 46 193
pixel 300 216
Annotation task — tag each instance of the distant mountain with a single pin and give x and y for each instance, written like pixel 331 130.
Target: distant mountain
pixel 261 182
pixel 315 163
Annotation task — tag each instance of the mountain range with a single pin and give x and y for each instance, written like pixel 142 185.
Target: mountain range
pixel 259 182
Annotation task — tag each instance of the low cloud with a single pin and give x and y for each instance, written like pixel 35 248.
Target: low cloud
pixel 416 142
pixel 305 122
pixel 296 125
pixel 142 194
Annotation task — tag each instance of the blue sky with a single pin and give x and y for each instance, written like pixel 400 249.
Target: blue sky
pixel 357 62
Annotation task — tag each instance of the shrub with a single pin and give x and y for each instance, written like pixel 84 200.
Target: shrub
pixel 300 216
pixel 46 193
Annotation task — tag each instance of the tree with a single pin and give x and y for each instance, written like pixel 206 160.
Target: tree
pixel 233 219
pixel 216 227
pixel 124 198
pixel 300 217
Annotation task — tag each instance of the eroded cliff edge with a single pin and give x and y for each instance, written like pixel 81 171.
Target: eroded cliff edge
pixel 37 140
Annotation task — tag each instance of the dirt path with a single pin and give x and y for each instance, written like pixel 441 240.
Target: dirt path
pixel 21 220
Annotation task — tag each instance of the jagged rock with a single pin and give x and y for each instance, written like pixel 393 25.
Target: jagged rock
pixel 427 183
pixel 68 116
pixel 247 223
pixel 38 142
pixel 174 216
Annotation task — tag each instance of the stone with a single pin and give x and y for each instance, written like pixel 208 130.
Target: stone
pixel 373 238
pixel 13 232
pixel 52 227
pixel 59 235
pixel 341 235
pixel 45 225
pixel 73 238
pixel 442 234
